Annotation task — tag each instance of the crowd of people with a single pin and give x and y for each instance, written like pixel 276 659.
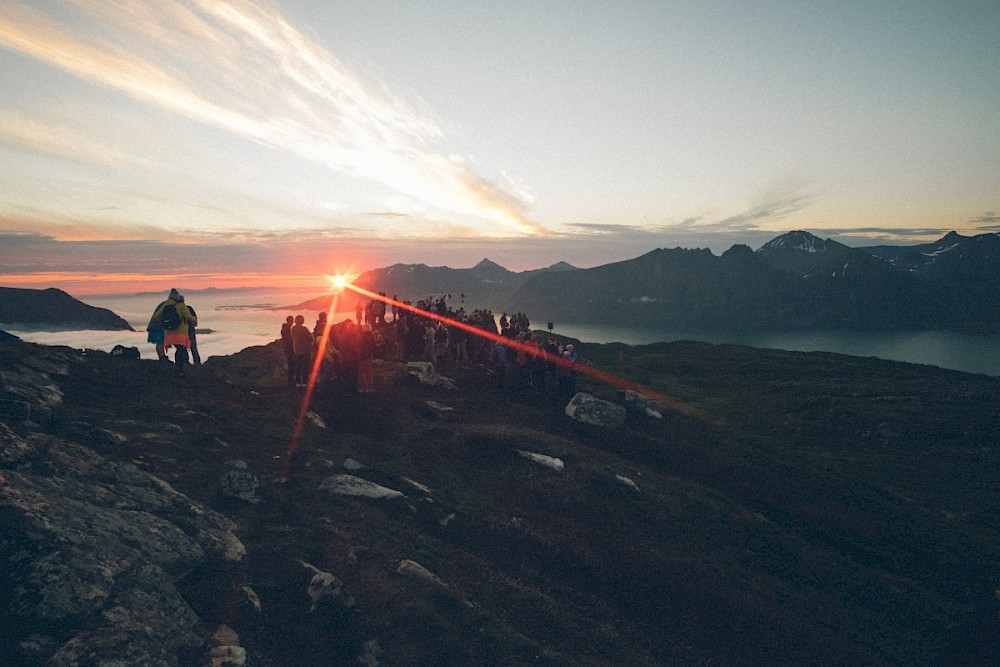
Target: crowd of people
pixel 429 330
pixel 344 352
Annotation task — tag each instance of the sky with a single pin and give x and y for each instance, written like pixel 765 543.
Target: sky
pixel 151 143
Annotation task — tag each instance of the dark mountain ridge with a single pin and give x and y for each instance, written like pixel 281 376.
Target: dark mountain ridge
pixel 796 280
pixel 54 310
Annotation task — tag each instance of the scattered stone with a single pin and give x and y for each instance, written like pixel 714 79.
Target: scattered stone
pixel 412 568
pixel 439 407
pixel 547 461
pixel 251 597
pixel 446 520
pixel 316 419
pixel 351 464
pixel 324 587
pixel 590 410
pixel 241 485
pixel 417 485
pixel 95 436
pixel 435 380
pixel 420 366
pixel 349 485
pixel 370 656
pixel 627 482
pixel 644 404
pixel 225 649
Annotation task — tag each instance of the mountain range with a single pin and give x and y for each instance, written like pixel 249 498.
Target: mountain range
pixel 796 280
pixel 486 284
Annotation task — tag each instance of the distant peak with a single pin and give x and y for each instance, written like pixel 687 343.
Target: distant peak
pixel 800 240
pixel 562 266
pixel 487 264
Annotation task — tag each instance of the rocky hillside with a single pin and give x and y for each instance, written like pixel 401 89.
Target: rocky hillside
pixel 53 310
pixel 768 508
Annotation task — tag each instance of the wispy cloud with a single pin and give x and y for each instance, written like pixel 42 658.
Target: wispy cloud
pixel 988 221
pixel 38 136
pixel 241 66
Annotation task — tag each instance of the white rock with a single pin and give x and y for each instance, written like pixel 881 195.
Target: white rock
pixel 316 419
pixel 417 485
pixel 590 410
pixel 420 366
pixel 349 485
pixel 414 569
pixel 324 585
pixel 627 482
pixel 547 461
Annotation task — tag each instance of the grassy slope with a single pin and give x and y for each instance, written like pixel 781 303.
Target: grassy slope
pixel 817 509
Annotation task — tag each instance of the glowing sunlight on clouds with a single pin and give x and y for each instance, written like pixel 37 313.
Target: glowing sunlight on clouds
pixel 240 66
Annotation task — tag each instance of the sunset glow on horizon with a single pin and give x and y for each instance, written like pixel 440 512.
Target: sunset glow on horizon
pixel 280 133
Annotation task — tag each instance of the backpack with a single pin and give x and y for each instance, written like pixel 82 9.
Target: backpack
pixel 170 317
pixel 125 352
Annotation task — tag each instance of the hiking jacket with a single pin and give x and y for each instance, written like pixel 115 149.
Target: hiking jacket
pixel 187 317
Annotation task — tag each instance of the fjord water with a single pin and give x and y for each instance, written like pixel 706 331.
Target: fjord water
pixel 241 318
pixel 963 352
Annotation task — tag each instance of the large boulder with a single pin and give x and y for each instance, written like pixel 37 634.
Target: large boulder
pixel 590 410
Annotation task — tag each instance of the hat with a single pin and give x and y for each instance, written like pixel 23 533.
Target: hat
pixel 174 294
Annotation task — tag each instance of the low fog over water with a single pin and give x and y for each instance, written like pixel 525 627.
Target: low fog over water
pixel 231 320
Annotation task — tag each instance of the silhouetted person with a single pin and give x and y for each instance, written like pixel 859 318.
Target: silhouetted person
pixel 289 348
pixel 302 343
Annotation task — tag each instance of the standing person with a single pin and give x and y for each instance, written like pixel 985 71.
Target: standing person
pixel 325 368
pixel 154 331
pixel 359 310
pixel 320 326
pixel 289 348
pixel 567 374
pixel 176 319
pixel 302 344
pixel 500 364
pixel 366 357
pixel 193 335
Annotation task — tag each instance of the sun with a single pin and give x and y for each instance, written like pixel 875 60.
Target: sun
pixel 340 281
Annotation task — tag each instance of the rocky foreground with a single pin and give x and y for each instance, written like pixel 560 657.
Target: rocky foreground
pixel 771 508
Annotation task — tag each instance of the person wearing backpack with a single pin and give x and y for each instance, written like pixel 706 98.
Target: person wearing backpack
pixel 155 333
pixel 176 318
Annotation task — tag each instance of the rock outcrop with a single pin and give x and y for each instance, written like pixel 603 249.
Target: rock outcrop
pixel 92 551
pixel 52 310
